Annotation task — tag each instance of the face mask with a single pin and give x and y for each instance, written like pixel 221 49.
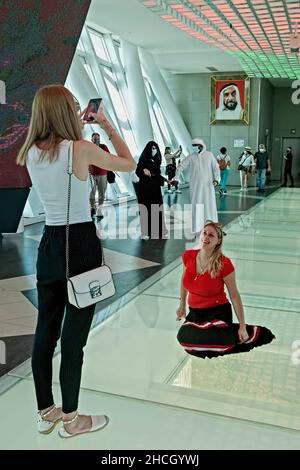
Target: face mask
pixel 261 150
pixel 154 152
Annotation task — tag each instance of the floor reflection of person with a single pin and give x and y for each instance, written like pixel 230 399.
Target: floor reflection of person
pixel 208 330
pixel 149 193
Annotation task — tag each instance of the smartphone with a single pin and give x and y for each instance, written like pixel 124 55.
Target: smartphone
pixel 92 107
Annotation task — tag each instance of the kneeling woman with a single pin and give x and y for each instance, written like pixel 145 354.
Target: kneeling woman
pixel 208 330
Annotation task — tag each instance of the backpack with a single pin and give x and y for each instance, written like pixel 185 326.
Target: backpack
pixel 222 164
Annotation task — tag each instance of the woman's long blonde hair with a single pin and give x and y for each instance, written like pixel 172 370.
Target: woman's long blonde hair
pixel 53 118
pixel 217 258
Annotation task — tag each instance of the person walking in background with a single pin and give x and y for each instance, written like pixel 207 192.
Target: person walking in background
pixel 246 167
pixel 55 133
pixel 262 163
pixel 224 163
pixel 204 176
pixel 288 157
pixel 208 330
pixel 99 180
pixel 149 193
pixel 171 166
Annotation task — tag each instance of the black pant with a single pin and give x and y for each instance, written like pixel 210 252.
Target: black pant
pixel 171 171
pixel 288 173
pixel 85 254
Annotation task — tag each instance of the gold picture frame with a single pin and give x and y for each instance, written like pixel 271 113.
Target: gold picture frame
pixel 230 99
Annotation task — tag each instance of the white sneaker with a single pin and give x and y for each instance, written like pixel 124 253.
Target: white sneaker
pixel 178 191
pixel 169 191
pixel 145 237
pixel 242 189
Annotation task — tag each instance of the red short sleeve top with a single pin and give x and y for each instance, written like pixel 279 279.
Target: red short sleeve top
pixel 95 170
pixel 204 291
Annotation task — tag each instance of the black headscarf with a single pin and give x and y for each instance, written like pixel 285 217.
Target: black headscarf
pixel 147 154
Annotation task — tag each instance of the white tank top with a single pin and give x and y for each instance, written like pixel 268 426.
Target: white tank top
pixel 50 181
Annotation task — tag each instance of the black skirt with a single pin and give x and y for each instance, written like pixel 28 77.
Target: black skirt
pixel 209 332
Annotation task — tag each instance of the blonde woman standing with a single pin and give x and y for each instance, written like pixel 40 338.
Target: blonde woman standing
pixel 55 129
pixel 208 330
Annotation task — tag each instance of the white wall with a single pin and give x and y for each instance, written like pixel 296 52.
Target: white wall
pixel 191 93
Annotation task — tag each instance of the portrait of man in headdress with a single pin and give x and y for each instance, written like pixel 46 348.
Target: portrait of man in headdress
pixel 230 100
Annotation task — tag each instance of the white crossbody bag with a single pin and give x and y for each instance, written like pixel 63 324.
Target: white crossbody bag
pixel 91 286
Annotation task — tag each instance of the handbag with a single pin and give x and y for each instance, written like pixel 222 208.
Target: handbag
pixel 91 286
pixel 241 164
pixel 111 177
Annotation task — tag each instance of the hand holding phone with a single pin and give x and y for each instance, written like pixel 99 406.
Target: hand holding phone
pixel 92 107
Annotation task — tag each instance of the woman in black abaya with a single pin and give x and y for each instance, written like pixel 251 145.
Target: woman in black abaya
pixel 149 193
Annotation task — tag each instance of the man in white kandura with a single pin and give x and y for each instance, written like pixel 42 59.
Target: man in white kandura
pixel 229 103
pixel 204 176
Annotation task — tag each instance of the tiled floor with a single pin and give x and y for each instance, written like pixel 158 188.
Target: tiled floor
pixel 134 366
pixel 132 261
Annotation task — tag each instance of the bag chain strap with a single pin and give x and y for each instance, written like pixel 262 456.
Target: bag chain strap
pixel 70 172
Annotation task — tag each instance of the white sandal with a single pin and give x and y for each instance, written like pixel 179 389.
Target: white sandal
pixel 44 426
pixel 98 422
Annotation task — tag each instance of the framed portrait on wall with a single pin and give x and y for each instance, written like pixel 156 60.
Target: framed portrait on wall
pixel 230 99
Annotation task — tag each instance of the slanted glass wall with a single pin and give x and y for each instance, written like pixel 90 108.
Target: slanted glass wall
pixel 98 71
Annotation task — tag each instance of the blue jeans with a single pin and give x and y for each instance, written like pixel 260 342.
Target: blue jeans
pixel 261 178
pixel 224 176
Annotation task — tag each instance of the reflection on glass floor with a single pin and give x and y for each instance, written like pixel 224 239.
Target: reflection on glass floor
pixel 135 353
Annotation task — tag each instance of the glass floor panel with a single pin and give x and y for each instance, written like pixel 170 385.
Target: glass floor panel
pixel 288 204
pixel 286 194
pixel 278 216
pixel 258 241
pixel 135 352
pixel 247 226
pixel 253 276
